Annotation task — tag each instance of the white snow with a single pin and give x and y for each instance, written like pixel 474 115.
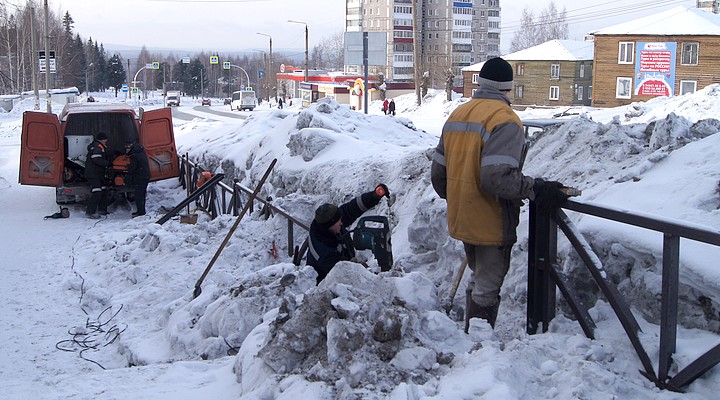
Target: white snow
pixel 684 21
pixel 105 309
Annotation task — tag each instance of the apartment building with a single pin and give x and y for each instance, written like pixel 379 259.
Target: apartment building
pixel 450 35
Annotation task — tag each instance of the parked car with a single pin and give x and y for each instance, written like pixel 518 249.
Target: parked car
pixel 227 101
pixel 206 102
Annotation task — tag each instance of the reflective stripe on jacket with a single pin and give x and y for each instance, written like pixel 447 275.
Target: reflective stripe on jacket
pixel 477 168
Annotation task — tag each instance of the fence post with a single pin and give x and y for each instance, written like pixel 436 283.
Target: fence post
pixel 669 306
pixel 542 251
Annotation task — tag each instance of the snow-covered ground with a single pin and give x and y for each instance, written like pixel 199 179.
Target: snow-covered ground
pixel 105 309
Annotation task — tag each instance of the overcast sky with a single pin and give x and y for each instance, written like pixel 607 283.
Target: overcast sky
pixel 225 25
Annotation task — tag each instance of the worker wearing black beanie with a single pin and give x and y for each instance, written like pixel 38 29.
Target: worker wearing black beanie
pixel 477 168
pixel 329 240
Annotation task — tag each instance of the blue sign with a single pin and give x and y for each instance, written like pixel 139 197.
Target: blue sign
pixel 261 73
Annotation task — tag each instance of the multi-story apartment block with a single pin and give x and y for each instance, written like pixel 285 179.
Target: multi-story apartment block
pixel 450 35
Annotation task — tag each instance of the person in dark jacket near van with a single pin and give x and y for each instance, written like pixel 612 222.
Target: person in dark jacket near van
pixel 96 165
pixel 329 240
pixel 138 174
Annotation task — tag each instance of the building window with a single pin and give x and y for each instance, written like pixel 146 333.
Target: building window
pixel 580 93
pixel 475 78
pixel 555 71
pixel 582 70
pixel 589 92
pixel 519 91
pixel 626 52
pixel 554 92
pixel 689 54
pixel 520 69
pixel 687 87
pixel 623 88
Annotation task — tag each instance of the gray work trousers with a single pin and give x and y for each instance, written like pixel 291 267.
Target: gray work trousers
pixel 489 265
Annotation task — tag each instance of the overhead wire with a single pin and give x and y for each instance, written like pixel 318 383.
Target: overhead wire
pixel 580 15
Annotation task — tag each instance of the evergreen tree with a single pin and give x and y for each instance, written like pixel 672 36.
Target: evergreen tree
pixel 115 72
pixel 196 73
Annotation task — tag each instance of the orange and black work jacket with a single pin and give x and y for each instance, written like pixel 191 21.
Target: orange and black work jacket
pixel 477 167
pixel 97 161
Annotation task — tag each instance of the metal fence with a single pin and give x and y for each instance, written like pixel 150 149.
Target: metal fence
pixel 227 199
pixel 545 275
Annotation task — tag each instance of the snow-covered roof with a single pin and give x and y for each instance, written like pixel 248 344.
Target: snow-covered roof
pixel 555 50
pixel 675 21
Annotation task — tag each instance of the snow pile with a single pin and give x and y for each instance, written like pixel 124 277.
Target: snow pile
pixel 368 334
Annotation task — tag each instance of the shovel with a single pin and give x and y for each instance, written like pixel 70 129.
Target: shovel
pixel 453 291
pixel 199 282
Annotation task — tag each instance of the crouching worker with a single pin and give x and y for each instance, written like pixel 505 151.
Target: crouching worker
pixel 329 240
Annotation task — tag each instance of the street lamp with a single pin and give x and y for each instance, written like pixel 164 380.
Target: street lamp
pixel 270 70
pixel 306 46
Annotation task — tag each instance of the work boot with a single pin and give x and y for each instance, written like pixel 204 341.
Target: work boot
pixel 489 313
pixel 473 310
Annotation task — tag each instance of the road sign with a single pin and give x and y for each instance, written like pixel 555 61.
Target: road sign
pixel 124 88
pixel 155 65
pixel 226 64
pixel 186 60
pixel 282 68
pixel 214 60
pixel 41 61
pixel 261 73
pixel 135 90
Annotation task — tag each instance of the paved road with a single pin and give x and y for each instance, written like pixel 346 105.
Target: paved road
pixel 210 110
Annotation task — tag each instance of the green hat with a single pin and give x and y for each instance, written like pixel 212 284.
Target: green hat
pixel 327 215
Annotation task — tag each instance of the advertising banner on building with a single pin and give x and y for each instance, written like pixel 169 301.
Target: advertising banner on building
pixel 655 68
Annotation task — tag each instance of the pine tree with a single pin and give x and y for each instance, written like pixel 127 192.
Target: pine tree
pixel 115 72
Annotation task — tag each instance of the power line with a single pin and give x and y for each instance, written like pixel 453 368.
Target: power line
pixel 576 16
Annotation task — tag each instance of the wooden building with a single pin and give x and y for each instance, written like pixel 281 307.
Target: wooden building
pixel 665 54
pixel 554 73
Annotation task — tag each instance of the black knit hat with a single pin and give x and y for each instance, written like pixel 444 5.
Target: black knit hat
pixel 327 215
pixel 101 136
pixel 496 73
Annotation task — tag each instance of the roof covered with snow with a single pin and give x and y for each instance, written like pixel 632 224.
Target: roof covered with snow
pixel 553 50
pixel 675 21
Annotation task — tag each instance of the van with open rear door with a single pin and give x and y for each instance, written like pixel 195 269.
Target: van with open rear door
pixel 54 149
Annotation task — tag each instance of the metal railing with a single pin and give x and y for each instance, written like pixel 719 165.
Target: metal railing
pixel 544 275
pixel 228 199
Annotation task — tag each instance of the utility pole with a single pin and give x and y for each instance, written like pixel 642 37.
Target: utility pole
pixel 47 59
pixel 33 50
pixel 417 53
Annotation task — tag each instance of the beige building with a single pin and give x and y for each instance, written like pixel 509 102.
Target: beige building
pixel 450 35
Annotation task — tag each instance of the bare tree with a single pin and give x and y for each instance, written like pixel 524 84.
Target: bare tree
pixel 552 24
pixel 526 36
pixel 330 52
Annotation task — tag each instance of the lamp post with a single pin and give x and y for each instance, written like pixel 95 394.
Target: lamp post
pixel 271 72
pixel 306 46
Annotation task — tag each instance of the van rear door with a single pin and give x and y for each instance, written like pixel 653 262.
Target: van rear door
pixel 41 150
pixel 158 139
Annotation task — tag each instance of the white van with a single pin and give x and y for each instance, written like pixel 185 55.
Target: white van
pixel 243 100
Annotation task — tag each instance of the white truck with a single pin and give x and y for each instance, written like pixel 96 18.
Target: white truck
pixel 172 98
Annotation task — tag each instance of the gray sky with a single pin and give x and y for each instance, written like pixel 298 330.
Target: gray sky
pixel 225 25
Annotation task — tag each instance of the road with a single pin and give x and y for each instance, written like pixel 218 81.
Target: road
pixel 215 110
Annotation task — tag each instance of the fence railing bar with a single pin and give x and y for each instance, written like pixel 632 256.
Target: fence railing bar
pixel 617 302
pixel 694 232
